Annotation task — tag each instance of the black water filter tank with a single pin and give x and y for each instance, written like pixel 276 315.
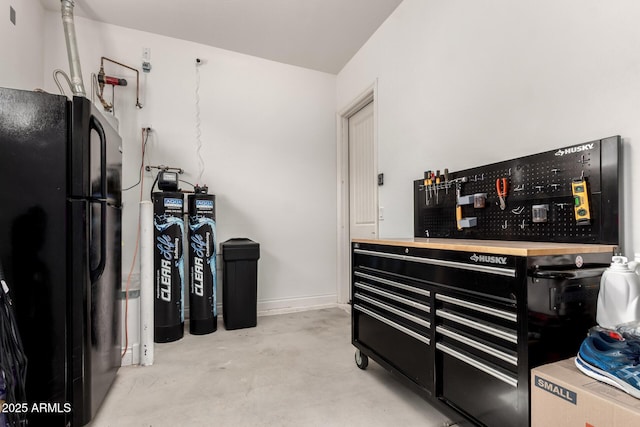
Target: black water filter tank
pixel 203 315
pixel 168 307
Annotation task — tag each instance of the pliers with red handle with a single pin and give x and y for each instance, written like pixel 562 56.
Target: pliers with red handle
pixel 501 188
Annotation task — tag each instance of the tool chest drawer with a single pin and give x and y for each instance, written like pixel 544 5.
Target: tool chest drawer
pixel 392 318
pixel 484 330
pixel 479 273
pixel 477 344
pixel 395 301
pixel 394 347
pixel 485 393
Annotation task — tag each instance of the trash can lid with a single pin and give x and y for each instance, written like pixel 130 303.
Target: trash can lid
pixel 240 249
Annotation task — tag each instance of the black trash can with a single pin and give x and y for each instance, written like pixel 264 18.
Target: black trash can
pixel 239 283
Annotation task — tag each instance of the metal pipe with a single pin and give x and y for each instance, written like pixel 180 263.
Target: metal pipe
pixel 146 283
pixel 55 79
pixel 77 86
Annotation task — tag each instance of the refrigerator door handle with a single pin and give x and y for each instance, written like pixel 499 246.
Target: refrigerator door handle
pixel 97 126
pixel 97 272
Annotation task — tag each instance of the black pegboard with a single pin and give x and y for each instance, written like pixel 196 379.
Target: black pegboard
pixel 539 179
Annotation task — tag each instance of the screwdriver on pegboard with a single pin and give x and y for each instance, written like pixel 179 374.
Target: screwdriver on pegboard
pixel 437 181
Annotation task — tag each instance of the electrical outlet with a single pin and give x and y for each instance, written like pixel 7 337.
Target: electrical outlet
pixel 146 59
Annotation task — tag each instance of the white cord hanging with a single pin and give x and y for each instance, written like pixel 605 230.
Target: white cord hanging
pixel 198 125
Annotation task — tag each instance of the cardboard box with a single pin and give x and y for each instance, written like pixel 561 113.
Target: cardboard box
pixel 561 395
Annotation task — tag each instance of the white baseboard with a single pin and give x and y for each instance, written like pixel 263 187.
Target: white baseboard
pixel 345 307
pixel 291 305
pixel 132 356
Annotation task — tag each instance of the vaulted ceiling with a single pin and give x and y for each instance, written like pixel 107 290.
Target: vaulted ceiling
pixel 318 34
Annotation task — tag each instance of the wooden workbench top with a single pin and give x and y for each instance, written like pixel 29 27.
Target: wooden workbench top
pixel 495 246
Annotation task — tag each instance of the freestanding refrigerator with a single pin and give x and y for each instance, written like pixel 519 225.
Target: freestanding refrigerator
pixel 60 244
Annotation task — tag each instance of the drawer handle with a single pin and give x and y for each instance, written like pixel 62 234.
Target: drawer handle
pixel 483 327
pixel 394 297
pixel 478 345
pixel 392 324
pixel 478 307
pixel 585 273
pixel 509 272
pixel 478 365
pixel 393 310
pixel 394 284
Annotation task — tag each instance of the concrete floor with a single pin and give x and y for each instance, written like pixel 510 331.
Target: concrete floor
pixel 293 369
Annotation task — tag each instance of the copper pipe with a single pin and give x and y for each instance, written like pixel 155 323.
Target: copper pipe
pixel 131 68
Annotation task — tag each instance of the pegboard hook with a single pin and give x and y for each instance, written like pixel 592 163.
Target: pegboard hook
pixel 517 211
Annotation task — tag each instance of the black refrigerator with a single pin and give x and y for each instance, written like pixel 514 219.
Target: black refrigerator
pixel 60 245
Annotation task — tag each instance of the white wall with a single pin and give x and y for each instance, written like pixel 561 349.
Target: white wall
pixel 268 143
pixel 21 45
pixel 464 83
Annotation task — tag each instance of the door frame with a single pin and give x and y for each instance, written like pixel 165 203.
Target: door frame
pixel 370 94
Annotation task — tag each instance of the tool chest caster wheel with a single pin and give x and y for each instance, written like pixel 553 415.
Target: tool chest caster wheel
pixel 362 361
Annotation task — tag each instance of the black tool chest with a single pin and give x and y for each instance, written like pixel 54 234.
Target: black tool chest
pixel 463 324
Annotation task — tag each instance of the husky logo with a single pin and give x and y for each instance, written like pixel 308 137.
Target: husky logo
pixel 568 395
pixel 576 149
pixel 489 258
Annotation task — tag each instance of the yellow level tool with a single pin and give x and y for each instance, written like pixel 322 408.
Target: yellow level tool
pixel 581 201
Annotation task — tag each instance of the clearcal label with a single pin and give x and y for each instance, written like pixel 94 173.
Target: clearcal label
pixel 576 149
pixel 502 260
pixel 166 248
pixel 561 392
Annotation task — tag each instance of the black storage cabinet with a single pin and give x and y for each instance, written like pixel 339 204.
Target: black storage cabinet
pixel 239 283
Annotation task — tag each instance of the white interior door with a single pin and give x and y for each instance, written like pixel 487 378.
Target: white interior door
pixel 363 184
